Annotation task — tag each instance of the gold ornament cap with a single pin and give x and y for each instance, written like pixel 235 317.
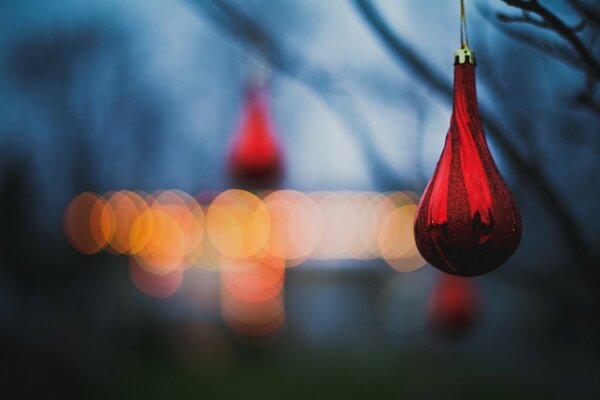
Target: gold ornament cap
pixel 464 55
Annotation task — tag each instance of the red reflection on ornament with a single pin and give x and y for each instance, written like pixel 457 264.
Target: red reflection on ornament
pixel 453 306
pixel 467 222
pixel 255 159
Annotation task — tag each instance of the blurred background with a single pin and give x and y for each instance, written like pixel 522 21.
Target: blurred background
pixel 138 95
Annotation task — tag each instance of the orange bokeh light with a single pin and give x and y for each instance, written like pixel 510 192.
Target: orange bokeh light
pixel 84 222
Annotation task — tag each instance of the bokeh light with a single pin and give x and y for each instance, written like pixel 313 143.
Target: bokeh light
pixel 238 224
pixel 84 222
pixel 295 225
pixel 251 295
pixel 396 239
pixel 170 229
pixel 249 238
pixel 254 280
pixel 126 208
pixel 159 286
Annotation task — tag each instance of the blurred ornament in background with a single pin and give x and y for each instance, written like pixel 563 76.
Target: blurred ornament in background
pixel 454 307
pixel 256 158
pixel 467 223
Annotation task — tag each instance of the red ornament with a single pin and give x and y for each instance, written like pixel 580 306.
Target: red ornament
pixel 467 222
pixel 454 306
pixel 255 158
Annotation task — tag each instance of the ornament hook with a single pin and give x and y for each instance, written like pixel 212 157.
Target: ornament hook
pixel 464 54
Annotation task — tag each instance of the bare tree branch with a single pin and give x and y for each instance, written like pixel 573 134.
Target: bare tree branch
pixel 525 18
pixel 585 11
pixel 561 28
pixel 585 97
pixel 557 50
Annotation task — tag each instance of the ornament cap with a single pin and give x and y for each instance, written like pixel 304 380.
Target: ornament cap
pixel 464 55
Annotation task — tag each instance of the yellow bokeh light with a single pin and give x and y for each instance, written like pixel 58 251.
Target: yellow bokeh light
pixel 356 204
pixel 238 224
pixel 125 210
pixel 164 250
pixel 329 247
pixel 295 223
pixel 397 241
pixel 371 217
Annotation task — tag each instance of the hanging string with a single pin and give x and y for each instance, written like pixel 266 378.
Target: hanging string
pixel 464 37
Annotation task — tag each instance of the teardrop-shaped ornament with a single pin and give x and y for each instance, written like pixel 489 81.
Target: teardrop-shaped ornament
pixel 467 222
pixel 255 157
pixel 454 307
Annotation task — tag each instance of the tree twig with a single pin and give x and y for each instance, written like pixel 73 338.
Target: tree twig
pixel 525 18
pixel 593 16
pixel 559 51
pixel 561 28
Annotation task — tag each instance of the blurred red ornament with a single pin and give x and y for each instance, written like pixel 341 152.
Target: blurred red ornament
pixel 256 158
pixel 454 306
pixel 467 222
